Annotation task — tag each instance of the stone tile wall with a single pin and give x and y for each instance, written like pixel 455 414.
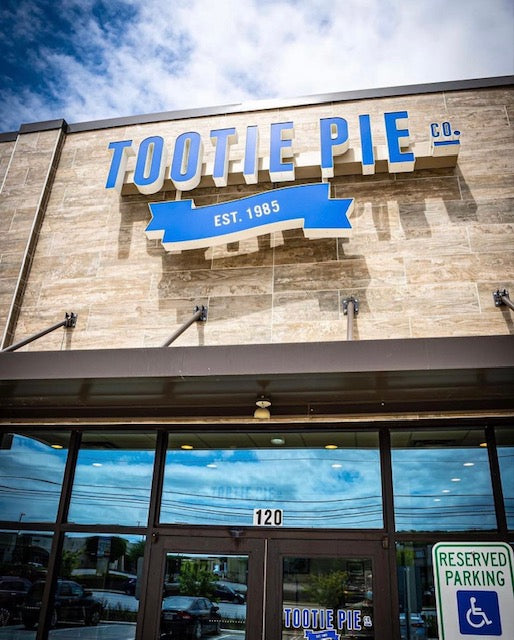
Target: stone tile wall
pixel 27 168
pixel 426 251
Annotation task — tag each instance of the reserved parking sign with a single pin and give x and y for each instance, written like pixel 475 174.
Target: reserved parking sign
pixel 474 585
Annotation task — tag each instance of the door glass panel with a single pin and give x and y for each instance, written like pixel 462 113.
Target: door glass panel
pixel 204 594
pixel 318 480
pixel 327 594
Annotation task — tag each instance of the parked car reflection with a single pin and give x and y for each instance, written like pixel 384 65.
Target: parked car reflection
pixel 12 593
pixel 71 604
pixel 225 593
pixel 416 629
pixel 189 617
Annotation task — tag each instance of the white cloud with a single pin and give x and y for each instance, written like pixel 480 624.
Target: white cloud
pixel 185 54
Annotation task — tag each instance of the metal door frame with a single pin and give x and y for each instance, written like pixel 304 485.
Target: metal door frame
pixel 265 549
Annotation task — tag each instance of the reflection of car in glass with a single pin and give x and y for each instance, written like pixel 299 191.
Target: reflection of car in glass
pixel 189 617
pixel 417 627
pixel 12 593
pixel 71 604
pixel 224 593
pixel 129 586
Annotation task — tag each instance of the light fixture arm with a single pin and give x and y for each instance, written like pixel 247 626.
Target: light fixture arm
pixel 502 298
pixel 200 315
pixel 69 322
pixel 350 309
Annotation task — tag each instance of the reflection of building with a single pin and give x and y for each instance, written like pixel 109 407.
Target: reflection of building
pixel 25 549
pixel 385 350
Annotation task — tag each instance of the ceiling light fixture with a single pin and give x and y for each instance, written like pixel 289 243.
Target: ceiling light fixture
pixel 262 412
pixel 278 441
pixel 186 447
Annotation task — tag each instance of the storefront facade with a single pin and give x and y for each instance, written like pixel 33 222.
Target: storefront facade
pixel 338 394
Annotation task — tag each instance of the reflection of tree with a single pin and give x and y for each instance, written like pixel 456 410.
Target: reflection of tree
pixel 136 551
pixel 196 580
pixel 327 589
pixel 69 560
pixel 118 547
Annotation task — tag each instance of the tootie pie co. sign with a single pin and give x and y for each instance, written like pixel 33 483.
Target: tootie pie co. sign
pixel 181 225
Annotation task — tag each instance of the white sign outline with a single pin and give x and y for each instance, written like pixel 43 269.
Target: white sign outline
pixel 446 596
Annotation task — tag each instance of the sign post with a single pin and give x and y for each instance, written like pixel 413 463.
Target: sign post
pixel 474 585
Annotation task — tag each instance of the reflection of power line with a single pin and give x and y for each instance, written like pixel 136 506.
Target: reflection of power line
pixel 170 493
pixel 31 479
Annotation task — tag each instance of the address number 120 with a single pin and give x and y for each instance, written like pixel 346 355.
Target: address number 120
pixel 267 517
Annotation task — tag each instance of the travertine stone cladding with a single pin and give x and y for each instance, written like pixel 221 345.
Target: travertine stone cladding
pixel 25 172
pixel 425 252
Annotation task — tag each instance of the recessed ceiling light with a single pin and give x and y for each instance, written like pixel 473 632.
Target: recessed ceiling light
pixel 331 446
pixel 278 441
pixel 211 465
pixel 455 479
pixel 336 466
pixel 445 491
pixel 437 499
pixel 483 444
pixel 468 464
pixel 186 447
pixel 97 464
pixel 57 446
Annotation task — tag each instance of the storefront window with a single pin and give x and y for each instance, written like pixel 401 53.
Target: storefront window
pixel 31 472
pixel 97 585
pixel 442 481
pixel 505 447
pixel 23 563
pixel 113 478
pixel 416 591
pixel 323 480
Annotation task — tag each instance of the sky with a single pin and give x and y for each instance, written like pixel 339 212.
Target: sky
pixel 85 60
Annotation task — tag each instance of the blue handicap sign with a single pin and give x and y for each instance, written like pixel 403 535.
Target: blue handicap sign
pixel 479 613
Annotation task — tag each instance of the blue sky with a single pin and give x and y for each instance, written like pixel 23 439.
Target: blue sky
pixel 84 60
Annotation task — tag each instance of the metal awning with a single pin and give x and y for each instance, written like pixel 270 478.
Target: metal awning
pixel 309 379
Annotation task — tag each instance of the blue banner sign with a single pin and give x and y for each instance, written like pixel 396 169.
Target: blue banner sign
pixel 321 635
pixel 180 225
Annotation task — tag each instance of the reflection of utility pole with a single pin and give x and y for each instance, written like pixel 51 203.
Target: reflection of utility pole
pixel 408 602
pixel 19 520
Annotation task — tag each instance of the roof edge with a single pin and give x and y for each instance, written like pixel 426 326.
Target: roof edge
pixel 263 105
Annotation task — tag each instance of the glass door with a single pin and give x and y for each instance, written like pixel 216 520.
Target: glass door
pixel 241 587
pixel 327 589
pixel 202 586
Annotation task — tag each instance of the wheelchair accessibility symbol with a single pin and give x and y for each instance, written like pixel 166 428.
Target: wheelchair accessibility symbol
pixel 479 613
